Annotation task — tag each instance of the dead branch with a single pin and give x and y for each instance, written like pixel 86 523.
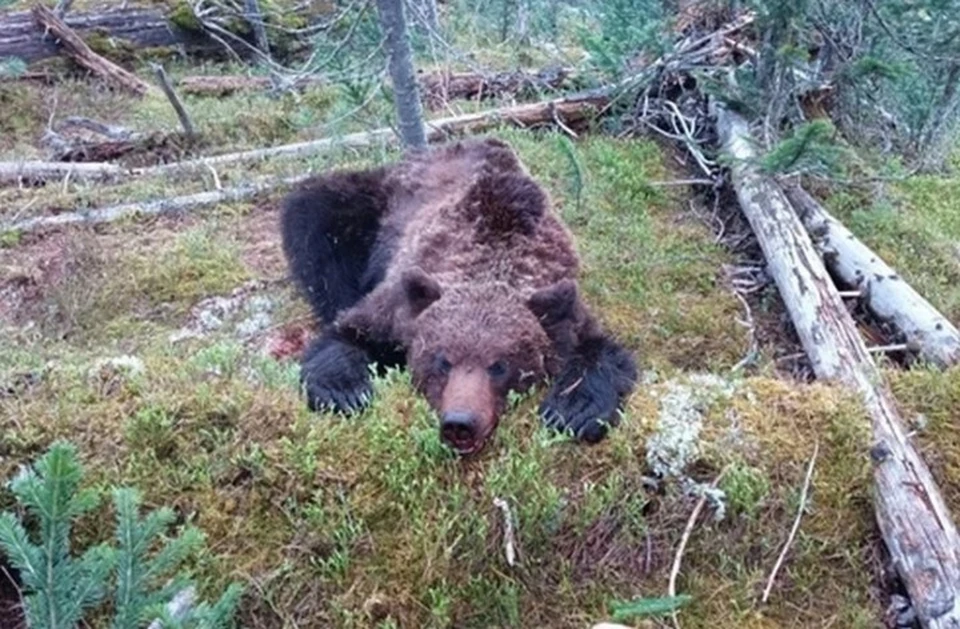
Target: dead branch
pixel 882 289
pixel 79 51
pixel 437 89
pixel 32 171
pixel 684 539
pixel 175 101
pixel 151 208
pixel 913 518
pixel 572 110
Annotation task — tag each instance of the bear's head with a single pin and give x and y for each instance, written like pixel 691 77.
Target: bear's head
pixel 472 344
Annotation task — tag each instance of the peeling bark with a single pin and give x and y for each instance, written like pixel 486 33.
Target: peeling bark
pixel 914 520
pixel 883 291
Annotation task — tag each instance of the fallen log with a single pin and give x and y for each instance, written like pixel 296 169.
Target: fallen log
pixel 436 88
pixel 30 172
pixel 913 518
pixel 882 289
pixel 80 52
pixel 570 110
pixel 137 27
pixel 152 208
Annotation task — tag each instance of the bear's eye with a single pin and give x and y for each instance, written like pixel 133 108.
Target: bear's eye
pixel 497 370
pixel 443 365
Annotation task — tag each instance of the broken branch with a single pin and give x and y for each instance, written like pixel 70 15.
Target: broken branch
pixel 175 101
pixel 80 52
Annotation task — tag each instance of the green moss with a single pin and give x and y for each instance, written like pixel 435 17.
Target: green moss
pixel 182 16
pixel 369 521
pixel 116 49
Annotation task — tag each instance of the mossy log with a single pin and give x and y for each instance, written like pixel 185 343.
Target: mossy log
pixel 883 291
pixel 914 520
pixel 139 27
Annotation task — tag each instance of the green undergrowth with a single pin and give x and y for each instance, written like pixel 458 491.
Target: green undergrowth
pixel 369 522
pixel 931 400
pixel 364 521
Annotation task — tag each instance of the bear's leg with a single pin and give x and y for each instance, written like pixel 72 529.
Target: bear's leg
pixel 587 395
pixel 329 228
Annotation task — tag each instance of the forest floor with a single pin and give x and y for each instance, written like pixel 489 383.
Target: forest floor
pixel 154 345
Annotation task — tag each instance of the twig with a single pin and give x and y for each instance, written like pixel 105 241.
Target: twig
pixel 687 531
pixel 62 7
pixel 178 107
pixel 509 543
pixel 796 523
pixel 885 349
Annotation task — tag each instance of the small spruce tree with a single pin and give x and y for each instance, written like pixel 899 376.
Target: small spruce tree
pixel 60 589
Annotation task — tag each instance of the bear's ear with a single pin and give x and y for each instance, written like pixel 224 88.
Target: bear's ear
pixel 420 290
pixel 555 303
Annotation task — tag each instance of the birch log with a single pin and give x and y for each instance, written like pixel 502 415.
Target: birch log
pixel 883 291
pixel 914 521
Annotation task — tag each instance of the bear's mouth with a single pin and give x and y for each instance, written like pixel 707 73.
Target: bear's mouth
pixel 464 433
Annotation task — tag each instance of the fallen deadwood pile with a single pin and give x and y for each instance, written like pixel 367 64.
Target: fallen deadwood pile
pixel 570 111
pixel 913 518
pixel 436 89
pixel 141 27
pixel 135 27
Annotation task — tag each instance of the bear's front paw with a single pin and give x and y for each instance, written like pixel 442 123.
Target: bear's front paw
pixel 587 396
pixel 336 377
pixel 586 406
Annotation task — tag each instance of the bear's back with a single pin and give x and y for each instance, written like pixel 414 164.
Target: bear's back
pixel 440 231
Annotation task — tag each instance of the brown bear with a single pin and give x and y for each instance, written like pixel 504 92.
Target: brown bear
pixel 450 262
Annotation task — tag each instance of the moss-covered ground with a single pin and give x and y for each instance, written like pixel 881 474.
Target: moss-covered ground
pixel 368 521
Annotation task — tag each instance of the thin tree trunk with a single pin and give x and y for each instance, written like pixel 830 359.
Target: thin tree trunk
pixel 405 93
pixel 914 520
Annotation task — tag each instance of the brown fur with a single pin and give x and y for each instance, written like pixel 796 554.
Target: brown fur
pixel 478 290
pixel 452 226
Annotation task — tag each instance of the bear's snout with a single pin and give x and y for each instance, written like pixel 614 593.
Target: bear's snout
pixel 467 410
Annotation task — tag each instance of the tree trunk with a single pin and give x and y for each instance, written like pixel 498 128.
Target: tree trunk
pixel 140 27
pixel 405 93
pixel 914 521
pixel 885 293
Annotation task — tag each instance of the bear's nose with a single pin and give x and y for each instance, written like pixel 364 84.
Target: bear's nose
pixel 458 429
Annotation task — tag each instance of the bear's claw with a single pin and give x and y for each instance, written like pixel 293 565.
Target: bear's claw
pixel 335 376
pixel 587 396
